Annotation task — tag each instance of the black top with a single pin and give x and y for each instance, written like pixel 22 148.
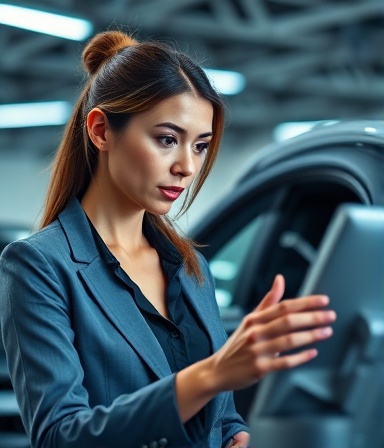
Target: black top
pixel 182 337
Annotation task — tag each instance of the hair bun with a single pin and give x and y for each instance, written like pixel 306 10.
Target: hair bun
pixel 103 46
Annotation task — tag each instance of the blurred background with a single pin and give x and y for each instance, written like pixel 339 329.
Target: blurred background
pixel 281 65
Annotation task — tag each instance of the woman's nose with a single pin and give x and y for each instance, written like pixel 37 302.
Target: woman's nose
pixel 183 165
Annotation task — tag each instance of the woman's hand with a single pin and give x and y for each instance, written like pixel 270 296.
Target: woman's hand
pixel 256 348
pixel 240 440
pixel 258 345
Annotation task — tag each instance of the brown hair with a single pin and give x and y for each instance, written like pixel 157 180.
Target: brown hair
pixel 126 77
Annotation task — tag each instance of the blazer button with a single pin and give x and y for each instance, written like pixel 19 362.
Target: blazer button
pixel 163 442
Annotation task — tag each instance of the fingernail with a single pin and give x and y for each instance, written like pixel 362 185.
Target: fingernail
pixel 326 331
pixel 324 300
pixel 331 315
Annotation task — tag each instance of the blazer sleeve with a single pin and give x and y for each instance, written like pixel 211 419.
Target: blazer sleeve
pixel 232 422
pixel 47 375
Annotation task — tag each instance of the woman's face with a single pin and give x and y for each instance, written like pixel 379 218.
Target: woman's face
pixel 159 153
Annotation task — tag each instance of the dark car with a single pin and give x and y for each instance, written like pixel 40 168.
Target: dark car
pixel 274 221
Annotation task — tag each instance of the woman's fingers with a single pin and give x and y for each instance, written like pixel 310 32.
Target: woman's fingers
pixel 286 307
pixel 265 352
pixel 291 341
pixel 290 323
pixel 265 365
pixel 274 295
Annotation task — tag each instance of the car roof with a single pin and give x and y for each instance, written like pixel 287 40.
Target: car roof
pixel 351 132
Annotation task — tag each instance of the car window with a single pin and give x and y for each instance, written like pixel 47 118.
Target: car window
pixel 226 264
pixel 273 227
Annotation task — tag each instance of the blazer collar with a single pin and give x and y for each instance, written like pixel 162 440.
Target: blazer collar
pixel 83 246
pixel 78 232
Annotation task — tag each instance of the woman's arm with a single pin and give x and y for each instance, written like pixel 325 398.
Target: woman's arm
pixel 274 327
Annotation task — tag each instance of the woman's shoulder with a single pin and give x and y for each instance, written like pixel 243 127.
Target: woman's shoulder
pixel 203 263
pixel 46 238
pixel 50 242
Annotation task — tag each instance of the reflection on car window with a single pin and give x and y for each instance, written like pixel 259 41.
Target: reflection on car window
pixel 226 264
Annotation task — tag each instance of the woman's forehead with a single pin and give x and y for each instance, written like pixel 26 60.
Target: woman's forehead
pixel 184 110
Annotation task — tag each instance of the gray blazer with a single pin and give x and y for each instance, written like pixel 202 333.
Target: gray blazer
pixel 87 370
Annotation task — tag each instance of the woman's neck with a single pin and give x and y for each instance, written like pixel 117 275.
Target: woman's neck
pixel 118 226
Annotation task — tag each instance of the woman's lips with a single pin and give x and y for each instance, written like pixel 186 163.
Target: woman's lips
pixel 171 193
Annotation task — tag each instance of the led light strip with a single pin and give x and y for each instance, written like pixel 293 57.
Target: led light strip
pixel 45 22
pixel 51 113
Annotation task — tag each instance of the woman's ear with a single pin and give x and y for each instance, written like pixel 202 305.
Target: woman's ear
pixel 96 127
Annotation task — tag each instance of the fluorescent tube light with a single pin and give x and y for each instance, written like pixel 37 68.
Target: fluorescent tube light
pixel 45 22
pixel 225 81
pixel 24 115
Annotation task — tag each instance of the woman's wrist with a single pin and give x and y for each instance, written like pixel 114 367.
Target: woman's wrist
pixel 196 385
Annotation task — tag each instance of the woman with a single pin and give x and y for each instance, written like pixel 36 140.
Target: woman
pixel 108 315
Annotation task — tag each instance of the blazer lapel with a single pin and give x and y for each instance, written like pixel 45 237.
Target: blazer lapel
pixel 208 313
pixel 205 308
pixel 123 313
pixel 109 294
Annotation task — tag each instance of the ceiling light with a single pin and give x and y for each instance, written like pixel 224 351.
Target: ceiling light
pixel 24 115
pixel 45 22
pixel 225 81
pixel 370 130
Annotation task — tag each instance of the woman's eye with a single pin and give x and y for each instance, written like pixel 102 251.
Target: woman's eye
pixel 167 140
pixel 201 147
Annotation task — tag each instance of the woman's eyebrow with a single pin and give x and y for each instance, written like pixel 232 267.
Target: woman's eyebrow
pixel 178 129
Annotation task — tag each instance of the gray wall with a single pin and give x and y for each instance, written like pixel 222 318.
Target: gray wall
pixel 23 181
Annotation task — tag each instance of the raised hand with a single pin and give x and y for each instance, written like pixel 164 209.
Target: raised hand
pixel 257 347
pixel 259 344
